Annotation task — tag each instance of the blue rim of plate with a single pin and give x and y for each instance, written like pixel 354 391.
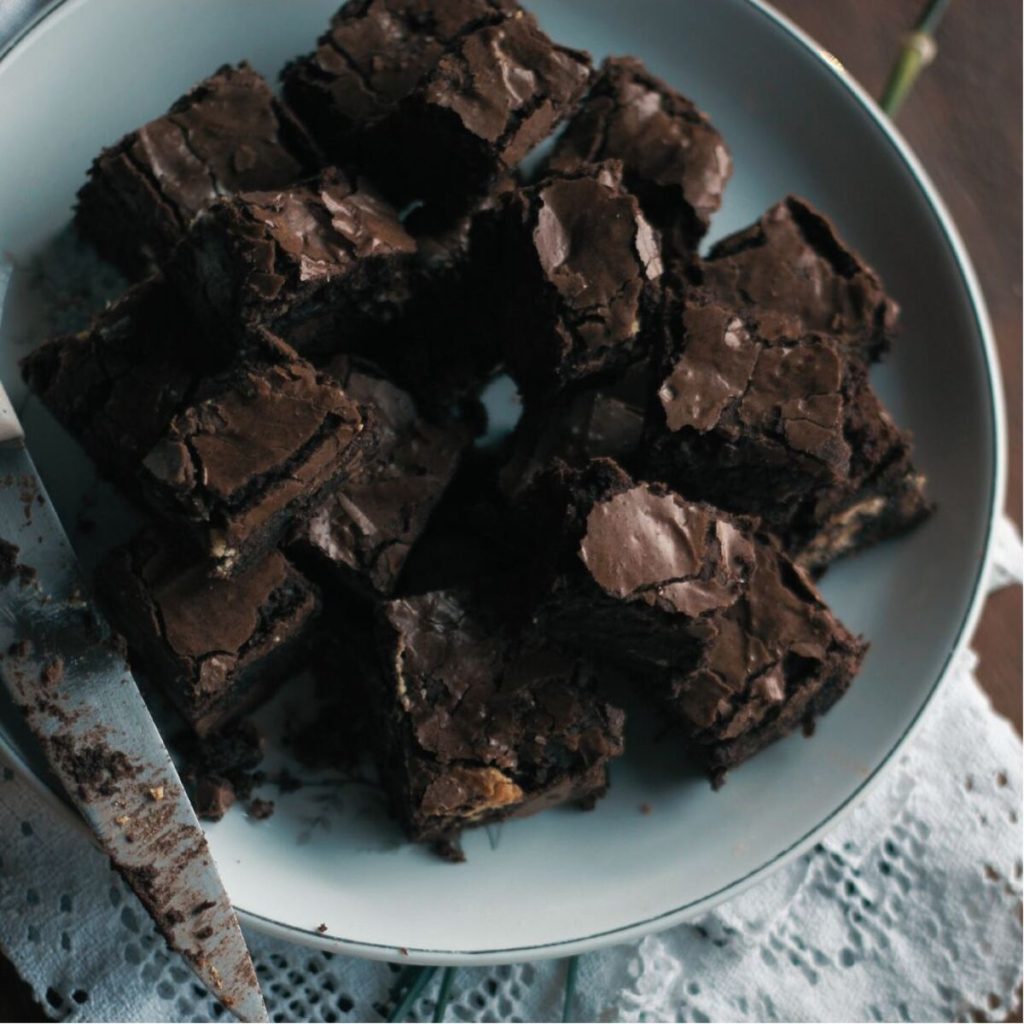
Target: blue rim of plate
pixel 687 911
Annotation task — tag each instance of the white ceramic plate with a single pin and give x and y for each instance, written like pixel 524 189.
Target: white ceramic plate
pixel 565 882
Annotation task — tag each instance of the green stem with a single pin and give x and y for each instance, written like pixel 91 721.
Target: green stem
pixel 415 983
pixel 444 994
pixel 918 52
pixel 932 16
pixel 570 987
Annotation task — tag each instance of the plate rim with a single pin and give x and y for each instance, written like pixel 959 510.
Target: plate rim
pixel 891 135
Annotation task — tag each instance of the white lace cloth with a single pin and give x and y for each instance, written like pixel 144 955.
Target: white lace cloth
pixel 909 910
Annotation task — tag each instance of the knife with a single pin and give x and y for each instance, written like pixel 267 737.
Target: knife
pixel 67 674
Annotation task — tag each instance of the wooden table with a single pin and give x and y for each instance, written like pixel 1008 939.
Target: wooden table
pixel 964 121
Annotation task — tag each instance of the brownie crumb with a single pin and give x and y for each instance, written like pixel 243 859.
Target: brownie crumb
pixel 450 849
pixel 321 928
pixel 223 768
pixel 645 808
pixel 214 796
pixel 261 809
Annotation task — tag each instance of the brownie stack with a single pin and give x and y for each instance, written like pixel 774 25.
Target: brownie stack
pixel 323 284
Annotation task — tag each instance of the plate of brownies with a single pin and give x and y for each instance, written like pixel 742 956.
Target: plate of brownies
pixel 500 434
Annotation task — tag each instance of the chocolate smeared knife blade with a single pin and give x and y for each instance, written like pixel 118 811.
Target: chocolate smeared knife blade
pixel 66 673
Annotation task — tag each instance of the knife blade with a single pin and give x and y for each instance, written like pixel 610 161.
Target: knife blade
pixel 66 672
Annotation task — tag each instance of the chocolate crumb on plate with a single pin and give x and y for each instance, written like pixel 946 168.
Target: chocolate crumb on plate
pixel 260 809
pixel 213 798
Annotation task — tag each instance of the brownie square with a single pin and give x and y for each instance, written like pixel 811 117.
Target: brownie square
pixel 479 726
pixel 697 608
pixel 116 385
pixel 227 134
pixel 371 57
pixel 632 573
pixel 792 261
pixel 571 269
pixel 762 418
pixel 215 646
pixel 364 530
pixel 673 159
pixel 258 447
pixel 495 94
pixel 322 264
pixel 780 659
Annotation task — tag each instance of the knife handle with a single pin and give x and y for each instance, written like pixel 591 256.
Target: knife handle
pixel 11 433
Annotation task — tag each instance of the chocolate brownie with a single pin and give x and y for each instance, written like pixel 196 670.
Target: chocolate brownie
pixel 363 532
pixel 792 261
pixel 634 573
pixel 673 159
pixel 760 417
pixel 494 94
pixel 215 646
pixel 322 264
pixel 571 269
pixel 712 618
pixel 228 134
pixel 480 726
pixel 116 385
pixel 258 447
pixel 779 659
pixel 371 57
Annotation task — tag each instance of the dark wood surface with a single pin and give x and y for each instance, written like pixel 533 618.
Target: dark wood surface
pixel 964 121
